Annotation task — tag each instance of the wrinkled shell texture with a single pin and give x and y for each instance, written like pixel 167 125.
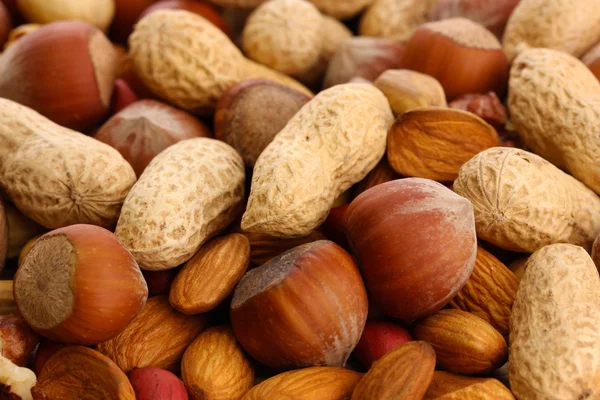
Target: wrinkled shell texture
pixel 558 24
pixel 330 144
pixel 285 35
pixel 190 71
pixel 555 341
pixel 187 194
pixel 522 202
pixel 341 9
pixel 394 19
pixel 554 102
pixel 56 176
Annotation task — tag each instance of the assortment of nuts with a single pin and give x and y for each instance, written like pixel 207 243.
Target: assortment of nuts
pixel 299 199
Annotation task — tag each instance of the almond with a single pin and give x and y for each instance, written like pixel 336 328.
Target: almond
pixel 331 383
pixel 435 142
pixel 157 337
pixel 490 291
pixel 77 372
pixel 448 386
pixel 463 342
pixel 209 277
pixel 263 247
pixel 214 367
pixel 402 374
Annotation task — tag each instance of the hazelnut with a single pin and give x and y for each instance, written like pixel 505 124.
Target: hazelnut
pixel 64 71
pixel 17 339
pixel 415 242
pixel 486 106
pixel 363 57
pixel 407 90
pixel 145 128
pixel 159 282
pixel 461 54
pixel 382 173
pixel 123 96
pixel 305 307
pixel 5 24
pixel 127 13
pixel 79 285
pixel 251 113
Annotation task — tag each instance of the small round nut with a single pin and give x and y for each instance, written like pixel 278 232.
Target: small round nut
pixel 285 35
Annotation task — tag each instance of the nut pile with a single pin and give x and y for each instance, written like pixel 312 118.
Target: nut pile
pixel 299 199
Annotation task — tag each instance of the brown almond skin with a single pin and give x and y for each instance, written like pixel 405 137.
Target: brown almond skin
pixel 209 277
pixel 316 303
pixel 252 112
pixel 463 342
pixel 448 386
pixel 76 372
pixel 3 235
pixel 64 70
pixel 331 383
pixel 460 68
pixel 145 128
pixel 402 374
pixel 434 143
pixel 490 292
pixel 157 338
pixel 18 339
pixel 391 224
pixel 215 367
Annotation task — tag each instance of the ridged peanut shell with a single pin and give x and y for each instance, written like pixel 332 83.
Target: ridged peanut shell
pixel 56 176
pixel 554 336
pixel 186 195
pixel 190 71
pixel 214 366
pixel 330 144
pixel 285 35
pixel 463 342
pixel 490 291
pixel 554 103
pixel 562 25
pixel 330 383
pixel 522 202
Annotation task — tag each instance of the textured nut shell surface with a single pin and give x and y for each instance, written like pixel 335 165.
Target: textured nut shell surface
pixel 330 144
pixel 190 71
pixel 56 176
pixel 554 336
pixel 285 35
pixel 558 24
pixel 157 337
pixel 214 366
pixel 187 194
pixel 394 19
pixel 330 383
pixel 522 202
pixel 554 103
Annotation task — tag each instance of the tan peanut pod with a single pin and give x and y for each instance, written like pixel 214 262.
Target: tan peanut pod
pixel 554 103
pixel 190 71
pixel 342 9
pixel 394 19
pixel 285 35
pixel 254 70
pixel 56 176
pixel 332 383
pixel 523 203
pixel 329 145
pixel 186 195
pixel 554 336
pixel 490 291
pixel 564 25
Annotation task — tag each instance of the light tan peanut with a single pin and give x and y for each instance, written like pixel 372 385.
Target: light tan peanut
pixel 187 194
pixel 554 103
pixel 523 203
pixel 558 24
pixel 285 35
pixel 330 144
pixel 394 19
pixel 342 9
pixel 56 176
pixel 554 336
